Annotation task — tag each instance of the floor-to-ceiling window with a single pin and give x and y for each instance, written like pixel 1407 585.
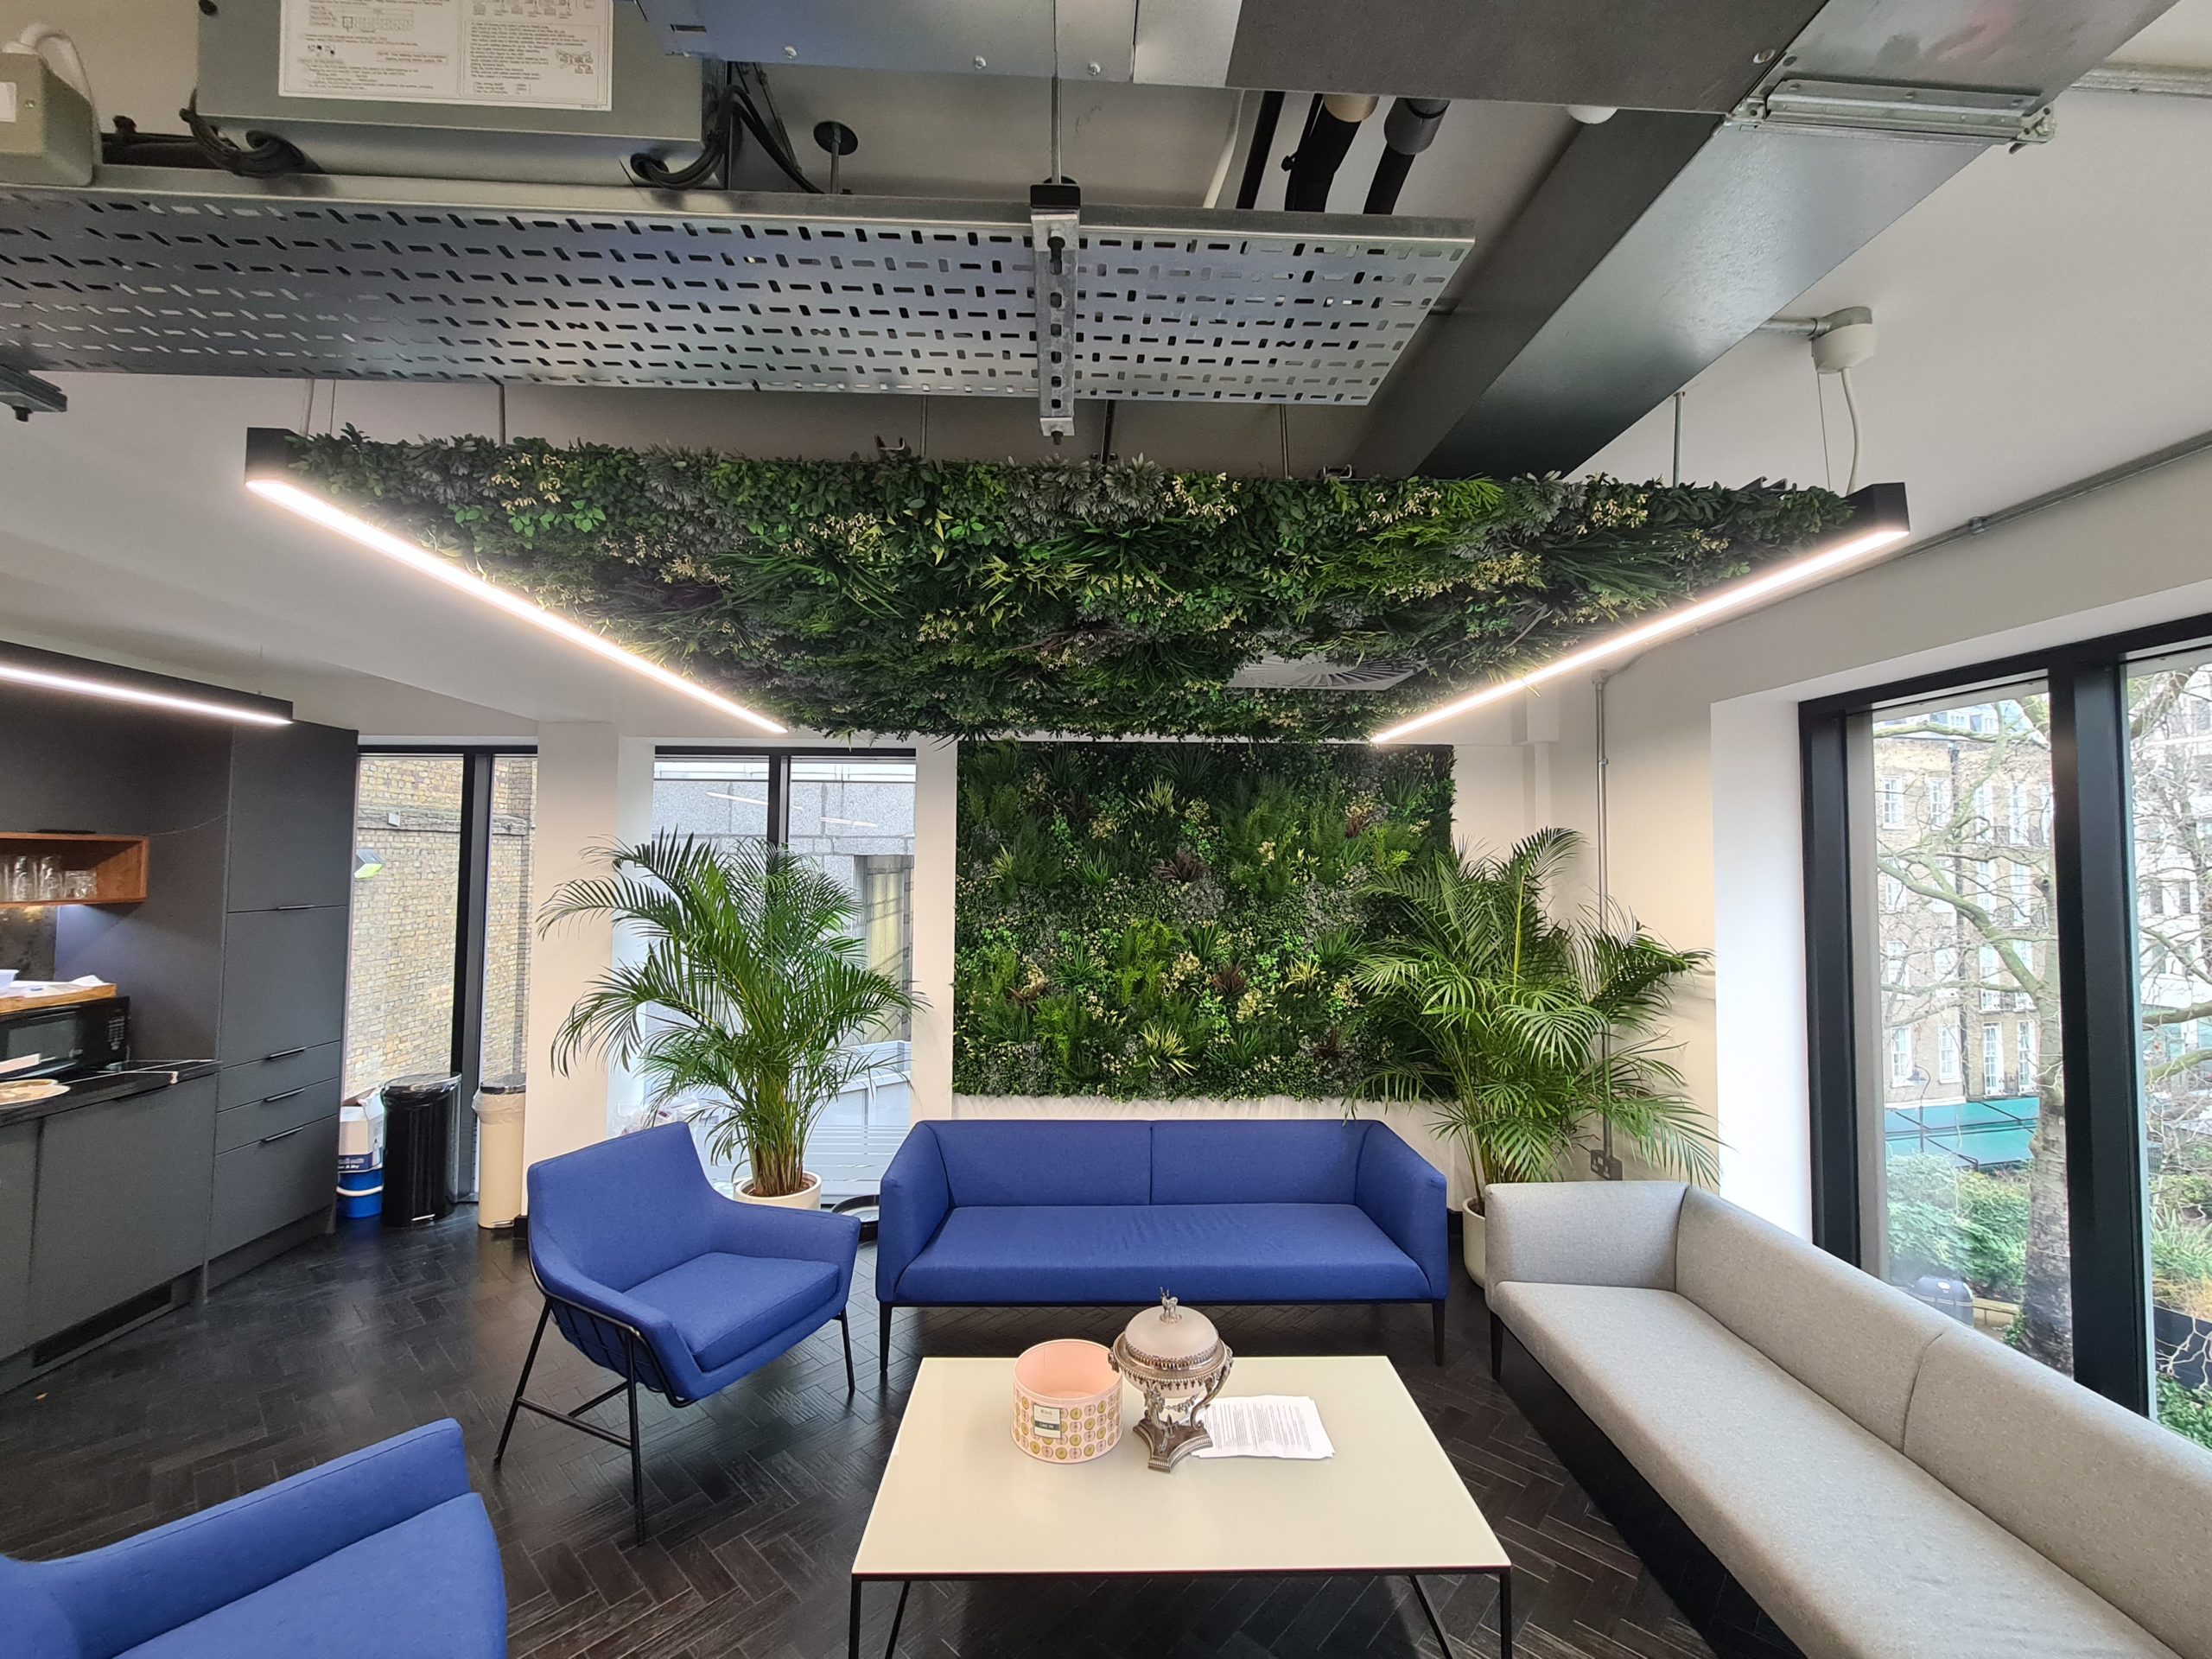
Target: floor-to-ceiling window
pixel 854 813
pixel 2008 871
pixel 439 966
pixel 2170 752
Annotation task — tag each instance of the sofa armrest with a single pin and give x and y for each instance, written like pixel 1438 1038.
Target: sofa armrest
pixel 916 1197
pixel 129 1593
pixel 1619 1233
pixel 1405 1195
pixel 791 1234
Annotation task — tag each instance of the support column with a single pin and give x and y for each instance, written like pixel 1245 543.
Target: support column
pixel 937 819
pixel 594 788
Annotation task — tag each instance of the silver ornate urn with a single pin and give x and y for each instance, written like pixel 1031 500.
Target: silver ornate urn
pixel 1178 1362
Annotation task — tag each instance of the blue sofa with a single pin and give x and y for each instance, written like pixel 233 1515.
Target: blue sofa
pixel 384 1551
pixel 997 1213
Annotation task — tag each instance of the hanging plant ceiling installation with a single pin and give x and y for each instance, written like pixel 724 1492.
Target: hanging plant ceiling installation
pixel 968 599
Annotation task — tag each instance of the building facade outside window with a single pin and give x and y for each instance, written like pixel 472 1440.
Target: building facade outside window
pixel 852 813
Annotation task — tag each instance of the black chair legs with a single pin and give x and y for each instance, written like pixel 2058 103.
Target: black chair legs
pixel 573 1419
pixel 883 1346
pixel 523 1382
pixel 845 1335
pixel 1437 1312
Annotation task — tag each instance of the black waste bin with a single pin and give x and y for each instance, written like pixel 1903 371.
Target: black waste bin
pixel 418 1147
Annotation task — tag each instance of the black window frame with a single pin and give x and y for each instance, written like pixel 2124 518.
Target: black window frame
pixel 780 770
pixel 2092 878
pixel 471 935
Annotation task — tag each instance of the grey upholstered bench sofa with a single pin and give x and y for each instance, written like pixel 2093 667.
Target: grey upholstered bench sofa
pixel 1881 1480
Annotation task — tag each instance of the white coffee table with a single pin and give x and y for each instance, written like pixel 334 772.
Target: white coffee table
pixel 960 1500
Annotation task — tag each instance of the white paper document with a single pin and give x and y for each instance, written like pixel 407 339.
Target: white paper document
pixel 1265 1425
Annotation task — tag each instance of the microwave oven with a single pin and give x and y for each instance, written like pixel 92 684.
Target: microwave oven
pixel 70 1040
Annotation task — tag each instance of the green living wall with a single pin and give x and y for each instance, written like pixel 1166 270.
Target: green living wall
pixel 1171 919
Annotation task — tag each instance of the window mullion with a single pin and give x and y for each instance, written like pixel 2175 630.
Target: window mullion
pixel 2092 841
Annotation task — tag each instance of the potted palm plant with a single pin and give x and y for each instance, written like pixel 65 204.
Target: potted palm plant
pixel 1519 1028
pixel 743 1008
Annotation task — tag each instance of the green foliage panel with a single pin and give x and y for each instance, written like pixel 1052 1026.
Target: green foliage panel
pixel 979 599
pixel 1166 919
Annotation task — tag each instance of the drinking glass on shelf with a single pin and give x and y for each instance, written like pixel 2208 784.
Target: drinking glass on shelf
pixel 48 879
pixel 18 883
pixel 79 884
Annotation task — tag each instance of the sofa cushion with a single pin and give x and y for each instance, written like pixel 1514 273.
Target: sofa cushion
pixel 32 1624
pixel 2123 1505
pixel 1010 1161
pixel 1848 1545
pixel 1196 1161
pixel 430 1584
pixel 1130 1253
pixel 724 1305
pixel 1583 1232
pixel 1851 1340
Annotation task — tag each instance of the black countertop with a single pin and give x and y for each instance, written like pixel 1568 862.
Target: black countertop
pixel 138 1079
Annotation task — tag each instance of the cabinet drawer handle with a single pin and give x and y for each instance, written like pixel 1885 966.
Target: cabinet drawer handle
pixel 282 1054
pixel 294 906
pixel 287 1094
pixel 286 1135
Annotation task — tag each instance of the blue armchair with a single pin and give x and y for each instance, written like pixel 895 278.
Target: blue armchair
pixel 650 1273
pixel 384 1551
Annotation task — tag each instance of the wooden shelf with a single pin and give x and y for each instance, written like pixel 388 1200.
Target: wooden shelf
pixel 117 864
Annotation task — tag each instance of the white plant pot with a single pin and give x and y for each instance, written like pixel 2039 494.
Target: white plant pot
pixel 807 1198
pixel 1474 1243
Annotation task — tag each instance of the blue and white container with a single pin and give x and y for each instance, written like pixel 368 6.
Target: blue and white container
pixel 360 1156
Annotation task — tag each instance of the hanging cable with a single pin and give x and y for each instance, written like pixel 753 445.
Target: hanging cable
pixel 712 161
pixel 263 155
pixel 1850 408
pixel 757 125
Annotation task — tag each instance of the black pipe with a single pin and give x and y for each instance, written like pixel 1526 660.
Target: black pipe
pixel 1407 131
pixel 1263 141
pixel 1328 137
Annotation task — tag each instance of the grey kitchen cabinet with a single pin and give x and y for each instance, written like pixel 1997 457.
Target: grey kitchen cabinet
pixel 283 982
pixel 123 1201
pixel 291 829
pixel 18 1179
pixel 286 1110
pixel 274 1073
pixel 272 1181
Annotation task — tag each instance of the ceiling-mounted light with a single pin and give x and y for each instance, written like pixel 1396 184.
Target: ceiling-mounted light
pixel 268 476
pixel 49 671
pixel 1879 521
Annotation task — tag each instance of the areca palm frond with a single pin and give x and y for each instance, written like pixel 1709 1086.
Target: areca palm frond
pixel 1517 1028
pixel 750 988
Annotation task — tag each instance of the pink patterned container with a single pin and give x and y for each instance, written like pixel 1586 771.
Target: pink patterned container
pixel 1067 1401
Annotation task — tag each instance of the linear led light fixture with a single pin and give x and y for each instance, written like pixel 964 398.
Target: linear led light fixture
pixel 49 671
pixel 1879 521
pixel 269 475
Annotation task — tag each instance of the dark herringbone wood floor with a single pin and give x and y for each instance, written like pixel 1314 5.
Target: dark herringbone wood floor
pixel 759 1496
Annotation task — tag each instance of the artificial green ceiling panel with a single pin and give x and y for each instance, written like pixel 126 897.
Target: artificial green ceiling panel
pixel 969 599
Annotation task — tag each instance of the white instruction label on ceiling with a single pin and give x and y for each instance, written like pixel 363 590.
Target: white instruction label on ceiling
pixel 538 55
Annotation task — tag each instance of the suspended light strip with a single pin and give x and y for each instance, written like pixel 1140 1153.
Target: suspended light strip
pixel 309 505
pixel 1885 502
pixel 117 691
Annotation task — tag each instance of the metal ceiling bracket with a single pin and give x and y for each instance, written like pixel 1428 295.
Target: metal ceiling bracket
pixel 27 395
pixel 1055 235
pixel 1944 114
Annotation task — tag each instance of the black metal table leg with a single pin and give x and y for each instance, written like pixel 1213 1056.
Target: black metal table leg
pixel 1505 1614
pixel 853 1629
pixel 898 1617
pixel 1428 1607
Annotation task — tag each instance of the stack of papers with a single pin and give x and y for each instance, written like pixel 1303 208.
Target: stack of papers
pixel 1265 1425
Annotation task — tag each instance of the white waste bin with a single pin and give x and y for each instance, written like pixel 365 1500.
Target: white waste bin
pixel 498 1151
